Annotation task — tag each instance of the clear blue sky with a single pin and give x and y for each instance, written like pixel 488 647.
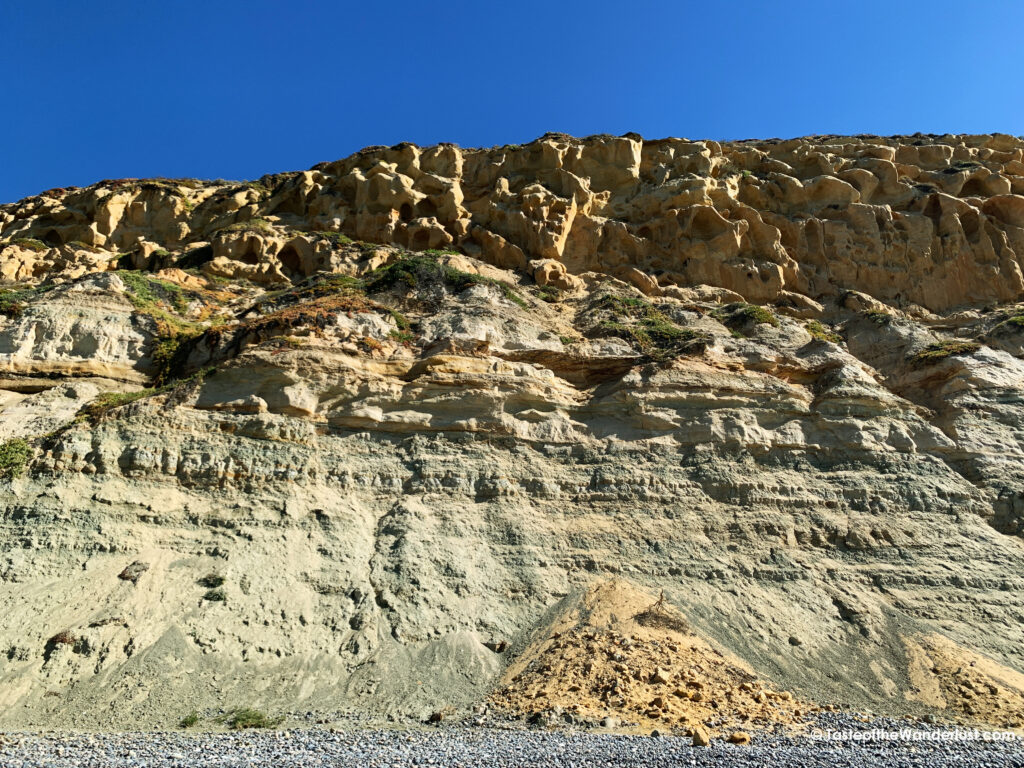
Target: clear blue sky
pixel 232 89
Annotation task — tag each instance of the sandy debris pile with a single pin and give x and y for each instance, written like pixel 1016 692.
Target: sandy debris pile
pixel 969 687
pixel 625 655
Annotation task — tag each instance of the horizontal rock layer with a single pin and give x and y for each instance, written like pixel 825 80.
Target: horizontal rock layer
pixel 362 472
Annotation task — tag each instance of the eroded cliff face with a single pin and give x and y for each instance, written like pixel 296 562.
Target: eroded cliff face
pixel 404 403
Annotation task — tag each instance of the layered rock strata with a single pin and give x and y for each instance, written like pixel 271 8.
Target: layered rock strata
pixel 337 439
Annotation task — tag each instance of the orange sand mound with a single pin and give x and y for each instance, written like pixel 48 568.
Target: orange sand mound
pixel 623 653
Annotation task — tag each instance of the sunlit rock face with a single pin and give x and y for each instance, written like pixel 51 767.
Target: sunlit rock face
pixel 327 440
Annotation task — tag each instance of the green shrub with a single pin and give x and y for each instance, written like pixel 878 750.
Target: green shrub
pixel 216 596
pixel 940 350
pixel 821 332
pixel 14 302
pixel 878 317
pixel 549 293
pixel 14 456
pixel 160 300
pixel 740 314
pixel 401 321
pixel 190 720
pixel 246 717
pixel 261 226
pixel 648 328
pixel 31 244
pixel 145 292
pixel 212 580
pixel 108 401
pixel 170 350
pixel 423 271
pixel 316 302
pixel 1011 323
pixel 335 238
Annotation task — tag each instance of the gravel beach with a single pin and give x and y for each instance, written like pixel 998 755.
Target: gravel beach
pixel 459 746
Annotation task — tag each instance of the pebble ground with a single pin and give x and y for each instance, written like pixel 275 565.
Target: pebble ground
pixel 456 746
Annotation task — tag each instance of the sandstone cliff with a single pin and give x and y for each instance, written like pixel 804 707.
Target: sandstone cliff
pixel 337 439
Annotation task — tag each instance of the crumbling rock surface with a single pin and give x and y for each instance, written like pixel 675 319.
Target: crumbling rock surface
pixel 343 439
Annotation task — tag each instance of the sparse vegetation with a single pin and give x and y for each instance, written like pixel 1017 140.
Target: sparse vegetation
pixel 1012 321
pixel 215 596
pixel 31 244
pixel 14 456
pixel 167 350
pixel 146 293
pixel 821 332
pixel 335 238
pixel 315 303
pixel 549 293
pixel 190 720
pixel 940 350
pixel 108 401
pixel 740 314
pixel 648 328
pixel 401 321
pixel 212 580
pixel 370 344
pixel 246 717
pixel 261 226
pixel 13 302
pixel 878 316
pixel 423 271
pixel 164 302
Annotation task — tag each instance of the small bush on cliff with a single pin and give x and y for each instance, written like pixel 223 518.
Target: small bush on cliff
pixel 878 317
pixel 940 350
pixel 549 293
pixel 246 717
pixel 145 292
pixel 259 226
pixel 31 244
pixel 739 314
pixel 821 332
pixel 14 302
pixel 108 401
pixel 645 326
pixel 1012 322
pixel 422 272
pixel 170 350
pixel 316 303
pixel 190 720
pixel 334 238
pixel 14 456
pixel 164 302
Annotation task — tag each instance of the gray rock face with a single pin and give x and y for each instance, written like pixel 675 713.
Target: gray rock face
pixel 355 495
